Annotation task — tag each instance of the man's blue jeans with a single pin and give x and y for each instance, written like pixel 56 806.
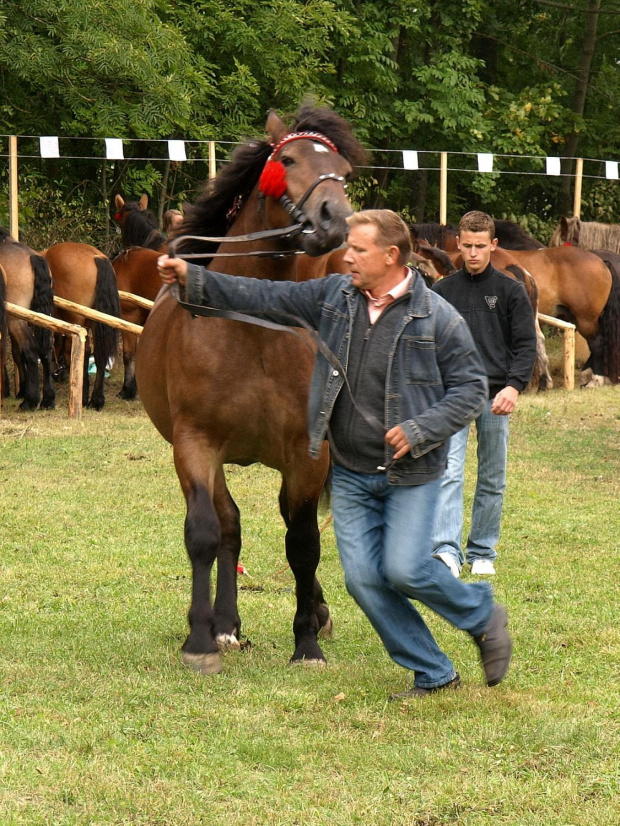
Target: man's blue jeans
pixel 383 533
pixel 492 433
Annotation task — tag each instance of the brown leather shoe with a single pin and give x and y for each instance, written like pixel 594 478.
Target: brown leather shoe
pixel 495 646
pixel 418 691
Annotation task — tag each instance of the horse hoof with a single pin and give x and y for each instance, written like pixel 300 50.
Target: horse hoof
pixel 326 631
pixel 203 663
pixel 310 663
pixel 227 642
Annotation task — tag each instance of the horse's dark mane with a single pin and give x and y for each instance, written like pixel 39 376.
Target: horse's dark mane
pixel 138 224
pixel 511 236
pixel 435 234
pixel 5 235
pixel 208 215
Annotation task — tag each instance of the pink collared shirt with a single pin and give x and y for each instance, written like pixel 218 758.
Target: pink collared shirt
pixel 377 305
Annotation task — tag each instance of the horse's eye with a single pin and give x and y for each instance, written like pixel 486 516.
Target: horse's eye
pixel 287 161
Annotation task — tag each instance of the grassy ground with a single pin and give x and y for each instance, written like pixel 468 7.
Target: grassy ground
pixel 100 724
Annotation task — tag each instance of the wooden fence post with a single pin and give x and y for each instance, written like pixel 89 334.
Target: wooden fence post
pixel 212 169
pixel 578 182
pixel 13 202
pixel 443 189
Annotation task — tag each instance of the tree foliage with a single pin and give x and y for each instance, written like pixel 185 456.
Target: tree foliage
pixel 455 75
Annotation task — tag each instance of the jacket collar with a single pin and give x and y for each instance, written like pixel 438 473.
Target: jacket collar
pixel 420 295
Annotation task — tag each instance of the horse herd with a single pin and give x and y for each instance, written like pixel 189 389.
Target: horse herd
pixel 221 391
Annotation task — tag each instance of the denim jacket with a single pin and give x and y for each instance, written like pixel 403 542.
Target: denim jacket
pixel 435 383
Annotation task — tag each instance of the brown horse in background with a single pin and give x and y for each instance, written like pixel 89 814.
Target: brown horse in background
pixel 504 261
pixel 584 288
pixel 136 272
pixel 29 285
pixel 225 392
pixel 84 275
pixel 138 224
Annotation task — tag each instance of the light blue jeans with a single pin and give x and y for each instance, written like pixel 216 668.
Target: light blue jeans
pixel 492 433
pixel 383 533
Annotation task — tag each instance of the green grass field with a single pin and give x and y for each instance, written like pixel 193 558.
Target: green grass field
pixel 101 724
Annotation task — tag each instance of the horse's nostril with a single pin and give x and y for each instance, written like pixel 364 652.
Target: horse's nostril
pixel 325 215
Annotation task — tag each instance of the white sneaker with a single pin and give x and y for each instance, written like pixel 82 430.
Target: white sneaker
pixel 483 567
pixel 450 561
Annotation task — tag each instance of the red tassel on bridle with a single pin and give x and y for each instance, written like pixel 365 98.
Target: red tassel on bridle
pixel 272 182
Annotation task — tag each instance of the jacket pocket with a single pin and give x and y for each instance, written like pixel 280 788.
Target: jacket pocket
pixel 421 361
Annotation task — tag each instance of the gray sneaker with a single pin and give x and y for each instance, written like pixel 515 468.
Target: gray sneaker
pixel 495 646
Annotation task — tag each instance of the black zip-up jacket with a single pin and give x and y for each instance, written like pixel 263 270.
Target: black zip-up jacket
pixel 499 314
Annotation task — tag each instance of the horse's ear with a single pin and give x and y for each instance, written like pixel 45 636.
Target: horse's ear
pixel 275 127
pixel 563 229
pixel 119 203
pixel 144 202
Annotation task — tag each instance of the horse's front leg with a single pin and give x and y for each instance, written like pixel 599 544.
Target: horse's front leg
pixel 195 466
pixel 227 623
pixel 303 551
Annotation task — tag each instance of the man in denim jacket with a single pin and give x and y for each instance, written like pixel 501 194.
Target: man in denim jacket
pixel 414 377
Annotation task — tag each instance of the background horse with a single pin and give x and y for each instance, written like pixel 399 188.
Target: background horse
pixel 138 224
pixel 84 275
pixel 580 287
pixel 510 235
pixel 504 261
pixel 136 272
pixel 29 285
pixel 225 392
pixel 589 235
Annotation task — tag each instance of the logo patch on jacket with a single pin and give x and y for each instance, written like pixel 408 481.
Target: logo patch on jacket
pixel 491 300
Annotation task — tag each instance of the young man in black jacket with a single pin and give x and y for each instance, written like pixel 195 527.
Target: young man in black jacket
pixel 501 321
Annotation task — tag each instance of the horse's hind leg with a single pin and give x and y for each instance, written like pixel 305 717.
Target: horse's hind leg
pixel 227 623
pixel 27 364
pixel 303 550
pixel 320 605
pixel 202 540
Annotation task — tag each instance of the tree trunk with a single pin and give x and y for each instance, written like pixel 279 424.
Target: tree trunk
pixel 579 100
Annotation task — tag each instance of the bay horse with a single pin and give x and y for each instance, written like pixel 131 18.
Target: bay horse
pixel 84 275
pixel 584 288
pixel 226 392
pixel 29 285
pixel 136 272
pixel 504 261
pixel 138 224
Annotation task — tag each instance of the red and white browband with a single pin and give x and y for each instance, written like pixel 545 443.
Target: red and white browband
pixel 296 136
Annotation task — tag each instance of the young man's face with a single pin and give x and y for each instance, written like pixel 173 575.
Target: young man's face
pixel 476 249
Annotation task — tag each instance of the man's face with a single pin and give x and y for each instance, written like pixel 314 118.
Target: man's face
pixel 476 249
pixel 369 264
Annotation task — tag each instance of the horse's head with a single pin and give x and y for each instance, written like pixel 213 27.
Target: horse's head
pixel 567 233
pixel 309 169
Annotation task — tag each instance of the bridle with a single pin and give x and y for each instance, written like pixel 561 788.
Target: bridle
pixel 272 183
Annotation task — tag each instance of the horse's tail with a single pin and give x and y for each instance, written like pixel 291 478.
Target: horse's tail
pixel 42 302
pixel 609 321
pixel 105 338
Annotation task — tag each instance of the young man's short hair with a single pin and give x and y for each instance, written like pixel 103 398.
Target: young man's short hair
pixel 392 231
pixel 475 221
